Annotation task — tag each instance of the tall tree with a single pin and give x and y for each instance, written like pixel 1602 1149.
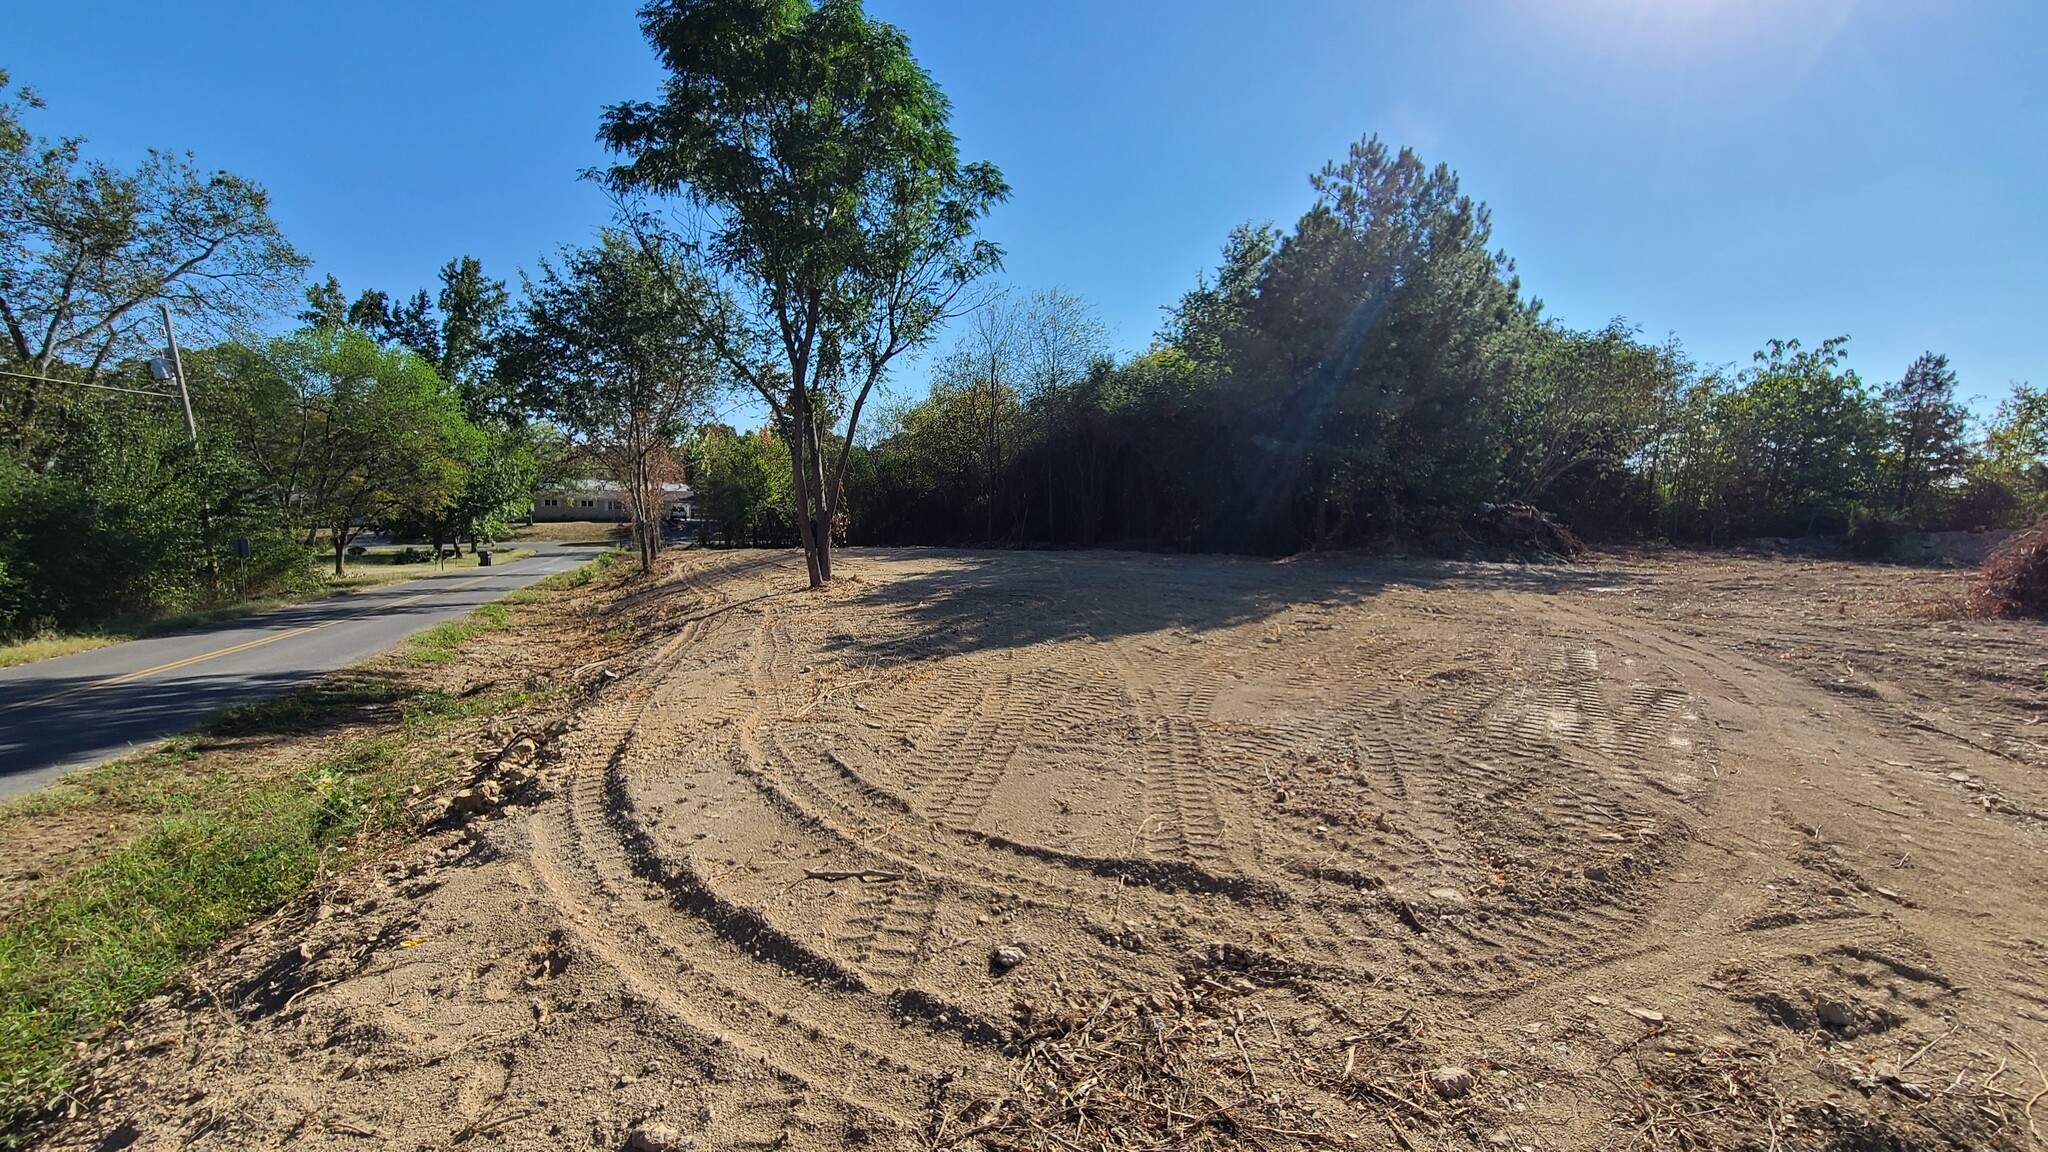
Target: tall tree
pixel 87 250
pixel 474 310
pixel 326 307
pixel 832 190
pixel 345 433
pixel 609 347
pixel 1928 433
pixel 1372 357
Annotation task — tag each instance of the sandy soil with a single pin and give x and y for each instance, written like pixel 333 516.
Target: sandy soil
pixel 1661 852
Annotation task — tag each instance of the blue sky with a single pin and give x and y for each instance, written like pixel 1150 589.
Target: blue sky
pixel 1725 170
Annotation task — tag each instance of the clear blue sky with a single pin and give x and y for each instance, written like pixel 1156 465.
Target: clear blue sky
pixel 1726 170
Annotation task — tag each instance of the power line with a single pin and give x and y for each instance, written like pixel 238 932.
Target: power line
pixel 84 384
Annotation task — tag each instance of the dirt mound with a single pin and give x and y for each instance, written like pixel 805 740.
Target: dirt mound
pixel 1097 852
pixel 1524 530
pixel 2014 579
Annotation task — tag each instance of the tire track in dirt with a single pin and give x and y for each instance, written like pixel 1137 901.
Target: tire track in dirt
pixel 718 968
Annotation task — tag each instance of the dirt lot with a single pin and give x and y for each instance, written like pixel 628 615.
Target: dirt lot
pixel 1657 852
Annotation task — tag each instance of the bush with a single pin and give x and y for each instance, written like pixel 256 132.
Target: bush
pixel 2014 579
pixel 1872 537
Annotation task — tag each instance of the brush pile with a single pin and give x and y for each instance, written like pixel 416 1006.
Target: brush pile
pixel 1218 1062
pixel 2014 579
pixel 1525 530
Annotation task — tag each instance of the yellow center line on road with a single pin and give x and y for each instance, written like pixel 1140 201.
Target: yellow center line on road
pixel 144 673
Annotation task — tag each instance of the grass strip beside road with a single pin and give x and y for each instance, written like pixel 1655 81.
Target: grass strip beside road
pixel 213 848
pixel 361 578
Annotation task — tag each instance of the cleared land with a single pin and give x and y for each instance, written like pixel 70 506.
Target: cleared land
pixel 1667 852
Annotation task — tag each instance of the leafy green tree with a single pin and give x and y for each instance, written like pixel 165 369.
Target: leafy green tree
pixel 742 484
pixel 343 433
pixel 1583 411
pixel 326 307
pixel 2015 454
pixel 608 349
pixel 1373 356
pixel 1927 433
pixel 88 249
pixel 474 311
pixel 821 156
pixel 1797 441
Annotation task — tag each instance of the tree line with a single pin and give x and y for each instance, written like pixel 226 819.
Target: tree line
pixel 1377 373
pixel 795 221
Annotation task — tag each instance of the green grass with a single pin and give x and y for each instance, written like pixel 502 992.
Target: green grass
pixel 219 848
pixel 374 571
pixel 115 933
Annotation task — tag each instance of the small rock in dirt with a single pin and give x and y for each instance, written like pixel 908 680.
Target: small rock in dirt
pixel 1834 1014
pixel 1005 958
pixel 658 1138
pixel 1960 777
pixel 1646 1016
pixel 1448 895
pixel 1598 874
pixel 469 802
pixel 1451 1081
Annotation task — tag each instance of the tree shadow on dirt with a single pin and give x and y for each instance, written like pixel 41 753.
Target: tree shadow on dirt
pixel 984 601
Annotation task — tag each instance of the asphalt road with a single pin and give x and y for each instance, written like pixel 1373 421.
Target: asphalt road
pixel 56 715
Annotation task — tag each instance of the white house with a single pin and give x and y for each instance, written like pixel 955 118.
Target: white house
pixel 603 500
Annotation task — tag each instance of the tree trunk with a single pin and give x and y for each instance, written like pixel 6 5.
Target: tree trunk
pixel 340 546
pixel 822 525
pixel 799 489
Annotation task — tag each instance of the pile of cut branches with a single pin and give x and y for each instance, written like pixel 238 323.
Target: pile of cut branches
pixel 2014 579
pixel 1204 1066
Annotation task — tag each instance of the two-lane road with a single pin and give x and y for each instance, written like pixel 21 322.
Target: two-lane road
pixel 59 714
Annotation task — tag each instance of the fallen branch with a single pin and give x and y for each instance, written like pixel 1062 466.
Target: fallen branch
pixel 864 875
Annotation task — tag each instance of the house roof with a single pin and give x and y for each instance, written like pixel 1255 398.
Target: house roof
pixel 601 488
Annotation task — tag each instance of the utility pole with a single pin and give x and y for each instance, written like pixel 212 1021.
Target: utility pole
pixel 178 371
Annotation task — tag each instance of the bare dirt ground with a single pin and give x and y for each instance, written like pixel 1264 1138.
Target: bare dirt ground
pixel 1665 852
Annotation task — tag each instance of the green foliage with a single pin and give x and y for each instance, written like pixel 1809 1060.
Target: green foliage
pixel 2015 458
pixel 1791 449
pixel 89 249
pixel 609 349
pixel 1374 373
pixel 342 432
pixel 823 160
pixel 1927 439
pixel 742 485
pixel 134 521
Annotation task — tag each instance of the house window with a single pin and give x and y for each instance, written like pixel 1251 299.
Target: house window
pixel 586 503
pixel 615 505
pixel 549 503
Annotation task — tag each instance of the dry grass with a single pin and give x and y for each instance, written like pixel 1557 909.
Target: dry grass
pixel 571 532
